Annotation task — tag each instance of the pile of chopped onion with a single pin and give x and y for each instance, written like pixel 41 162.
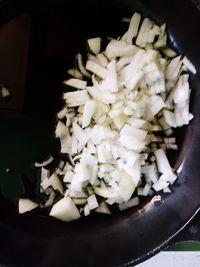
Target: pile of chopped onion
pixel 117 123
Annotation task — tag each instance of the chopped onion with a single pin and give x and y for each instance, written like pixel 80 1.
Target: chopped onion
pixel 96 69
pixel 82 67
pixel 117 126
pixel 131 203
pixel 44 163
pixel 143 34
pixel 86 210
pixel 132 143
pixel 111 83
pixel 76 83
pixel 126 186
pixel 92 202
pixel 94 45
pixel 61 114
pixel 65 210
pixel 88 112
pixel 61 130
pixel 44 174
pixel 169 52
pixel 160 185
pixel 103 208
pixel 120 49
pixel 74 99
pixel 102 59
pixel 161 42
pixel 56 183
pixel 4 92
pixel 104 192
pixel 189 66
pixel 104 97
pixel 45 183
pixel 50 201
pixel 135 132
pixel 75 73
pixel 80 201
pixel 162 162
pixel 74 194
pixel 173 68
pixel 25 205
pixel 133 27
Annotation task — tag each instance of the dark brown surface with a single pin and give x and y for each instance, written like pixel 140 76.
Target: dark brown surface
pixel 14 45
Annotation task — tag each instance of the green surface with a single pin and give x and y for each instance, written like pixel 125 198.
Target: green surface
pixel 185 246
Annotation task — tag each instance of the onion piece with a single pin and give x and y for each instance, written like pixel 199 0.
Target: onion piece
pixel 160 185
pixel 104 192
pixel 44 163
pixel 135 132
pixel 62 113
pixel 92 202
pixel 61 130
pixel 162 162
pixel 104 97
pixel 44 174
pixel 66 144
pixel 104 153
pixel 142 37
pixel 45 183
pixel 161 42
pixel 4 92
pixel 111 82
pixel 90 190
pixel 126 186
pixel 74 194
pixel 173 68
pixel 50 200
pixel 103 208
pixel 56 183
pixel 133 82
pixel 80 135
pixel 65 210
pixel 132 143
pixel 75 73
pixel 169 52
pixel 133 27
pixel 76 83
pixel 122 62
pixel 189 66
pixel 167 190
pixel 102 59
pixel 94 45
pixel 151 36
pixel 86 210
pixel 96 69
pixel 120 49
pixel 169 118
pixel 81 66
pixel 126 20
pixel 88 112
pixel 77 98
pixel 80 201
pixel 156 104
pixel 117 131
pixel 181 92
pixel 25 205
pixel 131 203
